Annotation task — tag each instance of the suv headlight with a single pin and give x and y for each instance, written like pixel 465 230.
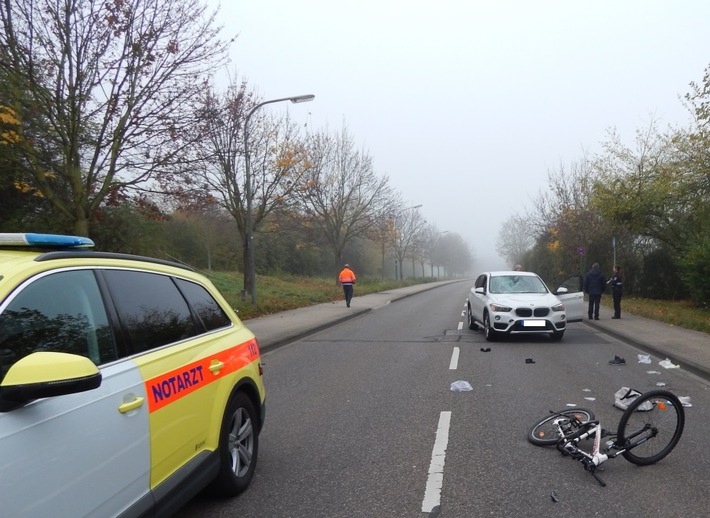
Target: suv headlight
pixel 558 307
pixel 500 309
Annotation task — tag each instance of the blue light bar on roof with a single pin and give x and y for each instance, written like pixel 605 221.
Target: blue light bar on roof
pixel 45 241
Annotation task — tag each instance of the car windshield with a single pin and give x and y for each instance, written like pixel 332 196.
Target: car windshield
pixel 517 284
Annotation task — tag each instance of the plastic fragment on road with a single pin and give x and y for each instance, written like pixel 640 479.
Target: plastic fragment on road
pixel 644 358
pixel 590 398
pixel 461 386
pixel 653 372
pixel 660 384
pixel 554 497
pixel 667 364
pixel 685 400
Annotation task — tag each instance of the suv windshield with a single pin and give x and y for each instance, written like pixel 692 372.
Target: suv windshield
pixel 517 284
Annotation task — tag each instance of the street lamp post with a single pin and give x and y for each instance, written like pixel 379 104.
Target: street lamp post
pixel 249 264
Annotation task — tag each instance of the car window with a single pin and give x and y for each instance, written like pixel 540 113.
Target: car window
pixel 210 312
pixel 150 307
pixel 572 283
pixel 60 312
pixel 517 284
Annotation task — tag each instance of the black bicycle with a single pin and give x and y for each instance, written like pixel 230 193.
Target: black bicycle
pixel 649 429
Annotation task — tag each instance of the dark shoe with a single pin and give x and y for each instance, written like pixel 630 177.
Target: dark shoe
pixel 590 317
pixel 347 304
pixel 618 360
pixel 615 318
pixel 596 318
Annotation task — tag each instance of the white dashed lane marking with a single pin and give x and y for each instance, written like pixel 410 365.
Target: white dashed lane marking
pixel 432 494
pixel 453 365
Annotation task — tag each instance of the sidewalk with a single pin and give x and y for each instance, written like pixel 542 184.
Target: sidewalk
pixel 689 349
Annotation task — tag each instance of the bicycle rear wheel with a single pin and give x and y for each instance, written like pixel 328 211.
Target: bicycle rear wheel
pixel 544 432
pixel 651 427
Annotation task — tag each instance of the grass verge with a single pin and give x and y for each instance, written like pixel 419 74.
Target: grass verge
pixel 679 313
pixel 276 294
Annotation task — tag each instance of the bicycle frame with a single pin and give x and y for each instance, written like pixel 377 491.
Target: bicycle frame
pixel 568 445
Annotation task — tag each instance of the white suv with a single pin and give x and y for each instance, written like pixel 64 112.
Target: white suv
pixel 519 302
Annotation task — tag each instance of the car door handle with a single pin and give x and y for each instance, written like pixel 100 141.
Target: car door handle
pixel 131 405
pixel 216 366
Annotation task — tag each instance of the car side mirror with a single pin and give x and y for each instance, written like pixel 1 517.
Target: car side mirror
pixel 46 374
pixel 480 290
pixel 561 289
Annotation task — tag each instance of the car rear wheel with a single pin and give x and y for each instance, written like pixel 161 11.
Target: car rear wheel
pixel 487 329
pixel 238 446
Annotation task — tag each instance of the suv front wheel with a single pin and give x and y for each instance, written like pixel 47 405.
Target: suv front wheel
pixel 487 329
pixel 471 322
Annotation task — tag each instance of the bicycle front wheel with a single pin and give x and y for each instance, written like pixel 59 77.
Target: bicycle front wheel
pixel 651 427
pixel 544 432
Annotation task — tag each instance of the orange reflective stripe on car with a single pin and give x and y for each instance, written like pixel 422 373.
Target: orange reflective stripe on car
pixel 171 386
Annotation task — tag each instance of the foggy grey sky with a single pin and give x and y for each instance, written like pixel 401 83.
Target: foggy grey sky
pixel 467 105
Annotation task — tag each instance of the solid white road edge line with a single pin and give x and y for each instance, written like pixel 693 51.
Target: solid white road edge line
pixel 432 494
pixel 454 359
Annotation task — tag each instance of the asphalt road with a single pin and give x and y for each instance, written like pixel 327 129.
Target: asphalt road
pixel 355 413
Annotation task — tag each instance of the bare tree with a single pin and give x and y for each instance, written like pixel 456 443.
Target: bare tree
pixel 380 230
pixel 430 243
pixel 102 89
pixel 565 222
pixel 515 238
pixel 277 158
pixel 407 227
pixel 341 192
pixel 455 254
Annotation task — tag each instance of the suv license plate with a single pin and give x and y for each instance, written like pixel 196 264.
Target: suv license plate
pixel 533 323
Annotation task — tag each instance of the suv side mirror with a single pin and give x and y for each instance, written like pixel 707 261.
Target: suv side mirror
pixel 46 374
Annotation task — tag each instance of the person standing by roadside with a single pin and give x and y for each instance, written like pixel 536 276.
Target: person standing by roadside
pixel 594 284
pixel 518 268
pixel 347 279
pixel 617 290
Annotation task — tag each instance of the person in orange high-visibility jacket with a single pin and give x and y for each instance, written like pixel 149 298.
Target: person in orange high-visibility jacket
pixel 347 279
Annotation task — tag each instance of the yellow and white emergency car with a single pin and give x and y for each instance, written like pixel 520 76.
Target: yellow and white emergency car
pixel 127 384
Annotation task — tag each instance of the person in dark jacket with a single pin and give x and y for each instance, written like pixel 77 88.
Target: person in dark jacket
pixel 594 285
pixel 617 290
